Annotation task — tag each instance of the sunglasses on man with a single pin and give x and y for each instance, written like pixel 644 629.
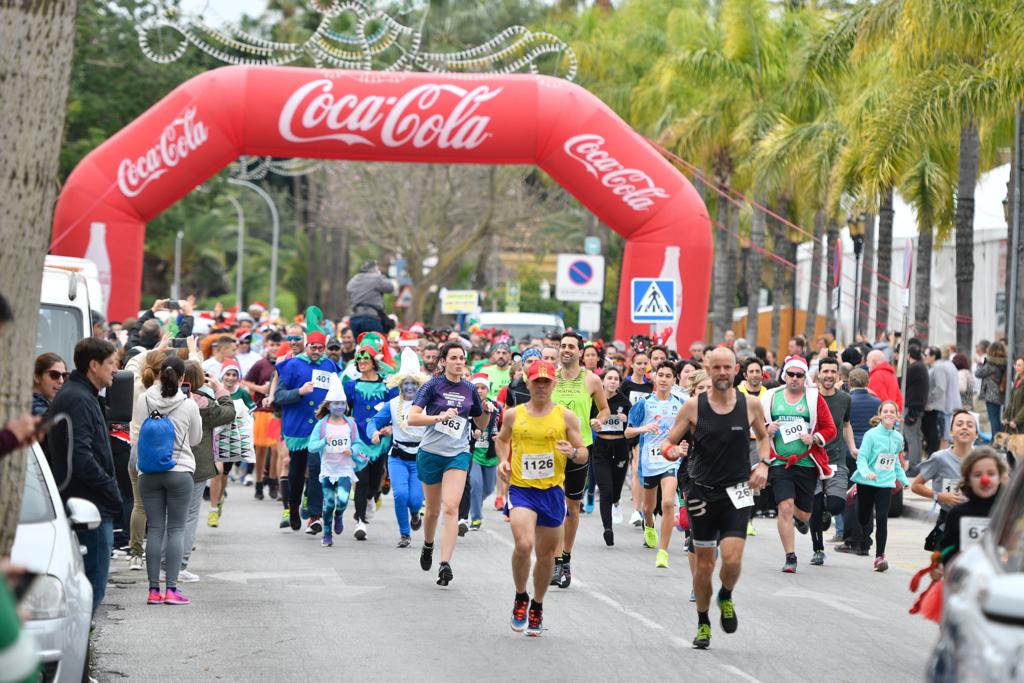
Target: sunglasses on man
pixel 795 375
pixel 293 338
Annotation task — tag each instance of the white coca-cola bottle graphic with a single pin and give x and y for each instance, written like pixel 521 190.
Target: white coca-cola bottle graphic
pixel 670 271
pixel 97 253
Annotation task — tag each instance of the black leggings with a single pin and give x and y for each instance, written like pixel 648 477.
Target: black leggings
pixel 835 506
pixel 368 486
pixel 878 499
pixel 611 460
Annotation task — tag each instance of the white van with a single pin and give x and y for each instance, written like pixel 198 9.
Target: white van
pixel 521 325
pixel 64 312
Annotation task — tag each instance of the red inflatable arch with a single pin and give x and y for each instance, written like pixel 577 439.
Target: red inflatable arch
pixel 206 123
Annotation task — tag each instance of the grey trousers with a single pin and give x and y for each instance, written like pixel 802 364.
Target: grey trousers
pixel 191 522
pixel 166 496
pixel 914 439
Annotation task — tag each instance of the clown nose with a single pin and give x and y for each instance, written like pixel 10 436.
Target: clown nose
pixel 985 481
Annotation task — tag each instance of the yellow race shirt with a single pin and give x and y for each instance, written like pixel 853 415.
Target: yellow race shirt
pixel 535 461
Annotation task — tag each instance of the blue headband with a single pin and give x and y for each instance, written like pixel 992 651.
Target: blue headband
pixel 531 353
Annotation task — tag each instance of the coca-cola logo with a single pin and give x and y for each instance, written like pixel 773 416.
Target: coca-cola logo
pixel 635 188
pixel 183 136
pixel 429 114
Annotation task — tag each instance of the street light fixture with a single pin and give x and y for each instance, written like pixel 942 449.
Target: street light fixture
pixel 856 225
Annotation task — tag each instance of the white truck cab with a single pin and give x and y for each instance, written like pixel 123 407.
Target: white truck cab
pixel 65 305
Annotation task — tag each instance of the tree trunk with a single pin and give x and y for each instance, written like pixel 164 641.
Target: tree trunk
pixel 832 236
pixel 815 279
pixel 35 64
pixel 1017 253
pixel 755 271
pixel 884 293
pixel 721 307
pixel 866 265
pixel 922 283
pixel 967 180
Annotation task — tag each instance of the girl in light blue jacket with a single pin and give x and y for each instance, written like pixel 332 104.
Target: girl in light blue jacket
pixel 878 468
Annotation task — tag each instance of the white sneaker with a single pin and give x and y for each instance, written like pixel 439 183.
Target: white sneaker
pixel 135 563
pixel 247 480
pixel 616 515
pixel 185 576
pixel 637 519
pixel 360 533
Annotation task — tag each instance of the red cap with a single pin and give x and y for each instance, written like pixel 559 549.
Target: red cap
pixel 316 337
pixel 542 369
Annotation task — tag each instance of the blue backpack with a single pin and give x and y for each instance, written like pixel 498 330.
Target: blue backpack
pixel 156 442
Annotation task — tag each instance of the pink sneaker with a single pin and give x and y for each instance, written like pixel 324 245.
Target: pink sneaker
pixel 174 597
pixel 881 564
pixel 154 597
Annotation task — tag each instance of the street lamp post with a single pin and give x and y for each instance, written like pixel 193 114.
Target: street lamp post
pixel 276 222
pixel 856 226
pixel 176 287
pixel 240 261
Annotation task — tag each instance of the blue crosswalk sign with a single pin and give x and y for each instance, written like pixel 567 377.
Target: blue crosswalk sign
pixel 652 300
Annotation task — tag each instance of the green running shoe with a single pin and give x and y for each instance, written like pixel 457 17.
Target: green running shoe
pixel 650 537
pixel 728 619
pixel 703 639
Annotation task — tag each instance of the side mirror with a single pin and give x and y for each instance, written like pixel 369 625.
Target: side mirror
pixel 82 514
pixel 121 397
pixel 1003 599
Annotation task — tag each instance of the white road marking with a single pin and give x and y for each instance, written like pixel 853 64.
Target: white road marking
pixel 827 599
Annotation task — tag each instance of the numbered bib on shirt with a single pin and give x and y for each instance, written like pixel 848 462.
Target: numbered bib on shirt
pixel 613 424
pixel 972 530
pixel 635 396
pixel 538 465
pixel 741 495
pixel 654 451
pixel 885 462
pixel 792 430
pixel 338 444
pixel 454 427
pixel 482 443
pixel 321 379
pixel 950 486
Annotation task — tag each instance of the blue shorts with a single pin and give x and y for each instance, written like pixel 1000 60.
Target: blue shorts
pixel 430 467
pixel 549 504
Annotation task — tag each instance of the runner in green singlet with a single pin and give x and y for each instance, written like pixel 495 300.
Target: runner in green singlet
pixel 577 389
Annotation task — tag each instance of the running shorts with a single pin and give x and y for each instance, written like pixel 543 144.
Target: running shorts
pixel 266 429
pixel 713 520
pixel 430 467
pixel 549 504
pixel 796 483
pixel 837 485
pixel 576 479
pixel 654 481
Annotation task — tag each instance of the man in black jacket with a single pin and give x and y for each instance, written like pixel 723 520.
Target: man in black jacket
pixel 914 404
pixel 92 464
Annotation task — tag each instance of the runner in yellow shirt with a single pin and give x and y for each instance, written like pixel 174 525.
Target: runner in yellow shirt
pixel 534 444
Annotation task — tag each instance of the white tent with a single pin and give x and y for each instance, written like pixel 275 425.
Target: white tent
pixel 990 232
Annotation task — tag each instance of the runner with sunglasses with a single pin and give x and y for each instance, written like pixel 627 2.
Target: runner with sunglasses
pixel 445 405
pixel 799 424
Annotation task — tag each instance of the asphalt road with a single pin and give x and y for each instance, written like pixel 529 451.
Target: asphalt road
pixel 274 605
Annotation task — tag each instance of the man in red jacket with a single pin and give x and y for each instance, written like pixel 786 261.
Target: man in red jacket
pixel 882 382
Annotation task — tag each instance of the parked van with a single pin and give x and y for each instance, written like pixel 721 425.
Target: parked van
pixel 521 325
pixel 64 311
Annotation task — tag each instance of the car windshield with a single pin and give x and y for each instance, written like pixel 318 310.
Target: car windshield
pixel 59 329
pixel 36 504
pixel 520 332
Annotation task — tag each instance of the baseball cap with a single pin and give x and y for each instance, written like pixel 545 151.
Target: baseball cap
pixel 334 343
pixel 541 370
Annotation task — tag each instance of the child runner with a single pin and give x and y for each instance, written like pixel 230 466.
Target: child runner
pixel 878 467
pixel 982 475
pixel 650 419
pixel 483 470
pixel 332 439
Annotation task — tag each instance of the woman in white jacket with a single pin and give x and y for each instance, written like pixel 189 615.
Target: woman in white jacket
pixel 166 494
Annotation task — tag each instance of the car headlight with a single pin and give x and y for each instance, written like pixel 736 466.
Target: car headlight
pixel 45 599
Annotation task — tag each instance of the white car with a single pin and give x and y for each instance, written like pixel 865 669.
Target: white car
pixel 521 325
pixel 58 605
pixel 982 631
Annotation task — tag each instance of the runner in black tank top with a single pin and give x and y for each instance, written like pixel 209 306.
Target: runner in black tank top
pixel 721 485
pixel 721 449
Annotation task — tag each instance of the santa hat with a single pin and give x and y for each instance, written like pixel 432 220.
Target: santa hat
pixel 408 338
pixel 335 390
pixel 230 364
pixel 417 327
pixel 481 378
pixel 795 363
pixel 315 333
pixel 408 369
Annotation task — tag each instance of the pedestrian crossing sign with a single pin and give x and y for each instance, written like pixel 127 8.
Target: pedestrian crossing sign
pixel 653 300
